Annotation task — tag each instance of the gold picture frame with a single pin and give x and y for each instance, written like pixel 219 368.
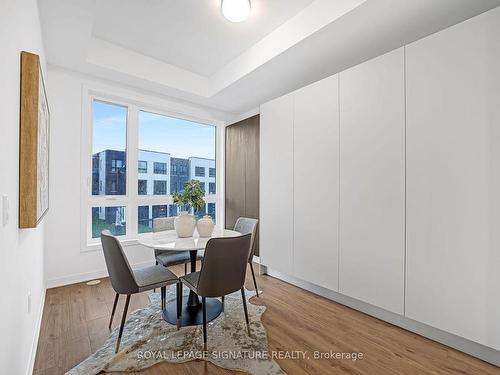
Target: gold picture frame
pixel 34 134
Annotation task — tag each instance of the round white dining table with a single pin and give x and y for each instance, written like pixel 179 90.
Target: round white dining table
pixel 191 306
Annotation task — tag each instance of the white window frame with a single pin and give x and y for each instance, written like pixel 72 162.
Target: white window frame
pixel 132 200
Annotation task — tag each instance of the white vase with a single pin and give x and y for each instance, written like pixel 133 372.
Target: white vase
pixel 184 224
pixel 205 226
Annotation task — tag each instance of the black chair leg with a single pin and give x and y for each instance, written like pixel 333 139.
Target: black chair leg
pixel 154 290
pixel 179 304
pixel 245 308
pixel 163 296
pixel 113 311
pixel 222 303
pixel 124 318
pixel 204 307
pixel 185 269
pixel 254 281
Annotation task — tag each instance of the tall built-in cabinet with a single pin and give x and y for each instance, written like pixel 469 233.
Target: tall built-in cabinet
pixel 316 183
pixel 383 182
pixel 372 192
pixel 453 180
pixel 276 184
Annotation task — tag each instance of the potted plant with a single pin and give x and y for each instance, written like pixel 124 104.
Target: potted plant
pixel 191 196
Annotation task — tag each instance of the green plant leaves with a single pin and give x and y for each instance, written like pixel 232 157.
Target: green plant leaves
pixel 192 195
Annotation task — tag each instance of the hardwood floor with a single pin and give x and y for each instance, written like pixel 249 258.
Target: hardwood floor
pixel 75 323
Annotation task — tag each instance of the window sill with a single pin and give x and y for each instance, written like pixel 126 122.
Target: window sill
pixel 96 246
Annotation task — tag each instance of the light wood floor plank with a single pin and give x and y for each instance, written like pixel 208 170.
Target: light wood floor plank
pixel 76 318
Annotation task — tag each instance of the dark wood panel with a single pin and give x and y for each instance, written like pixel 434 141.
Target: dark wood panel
pixel 242 171
pixel 74 324
pixel 252 160
pixel 235 174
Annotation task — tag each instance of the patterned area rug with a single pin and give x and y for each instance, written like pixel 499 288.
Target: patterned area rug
pixel 148 339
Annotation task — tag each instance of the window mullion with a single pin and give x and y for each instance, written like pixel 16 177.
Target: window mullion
pixel 86 171
pixel 132 165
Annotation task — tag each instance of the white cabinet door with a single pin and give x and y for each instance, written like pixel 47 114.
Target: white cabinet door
pixel 316 183
pixel 453 180
pixel 372 195
pixel 276 184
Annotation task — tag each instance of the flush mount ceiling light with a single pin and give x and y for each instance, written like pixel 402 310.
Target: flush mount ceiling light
pixel 235 10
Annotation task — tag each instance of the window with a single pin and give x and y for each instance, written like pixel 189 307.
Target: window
pixel 179 167
pixel 199 171
pixel 146 215
pixel 142 187
pixel 160 187
pixel 169 152
pixel 200 212
pixel 144 222
pixel 179 174
pixel 116 165
pixel 160 168
pixel 209 209
pixel 160 211
pixel 110 218
pixel 202 184
pixel 142 166
pixel 109 171
pixel 109 155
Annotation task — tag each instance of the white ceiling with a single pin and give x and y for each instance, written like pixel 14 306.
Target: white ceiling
pixel 189 34
pixel 185 49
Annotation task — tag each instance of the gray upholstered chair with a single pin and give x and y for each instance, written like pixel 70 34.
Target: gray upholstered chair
pixel 165 257
pixel 222 272
pixel 128 282
pixel 246 225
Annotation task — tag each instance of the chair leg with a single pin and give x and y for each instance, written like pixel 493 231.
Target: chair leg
pixel 113 311
pixel 124 318
pixel 254 281
pixel 245 308
pixel 163 296
pixel 204 307
pixel 185 269
pixel 154 290
pixel 179 304
pixel 223 303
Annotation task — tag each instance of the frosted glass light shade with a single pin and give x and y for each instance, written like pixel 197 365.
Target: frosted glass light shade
pixel 236 10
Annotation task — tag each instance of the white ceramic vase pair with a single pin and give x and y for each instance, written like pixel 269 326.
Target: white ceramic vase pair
pixel 185 224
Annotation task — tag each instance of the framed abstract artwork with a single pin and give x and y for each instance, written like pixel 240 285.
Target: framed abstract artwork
pixel 34 132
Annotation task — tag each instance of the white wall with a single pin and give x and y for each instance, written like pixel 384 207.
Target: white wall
pixel 65 261
pixel 21 251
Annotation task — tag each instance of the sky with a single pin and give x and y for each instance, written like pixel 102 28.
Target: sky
pixel 180 138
